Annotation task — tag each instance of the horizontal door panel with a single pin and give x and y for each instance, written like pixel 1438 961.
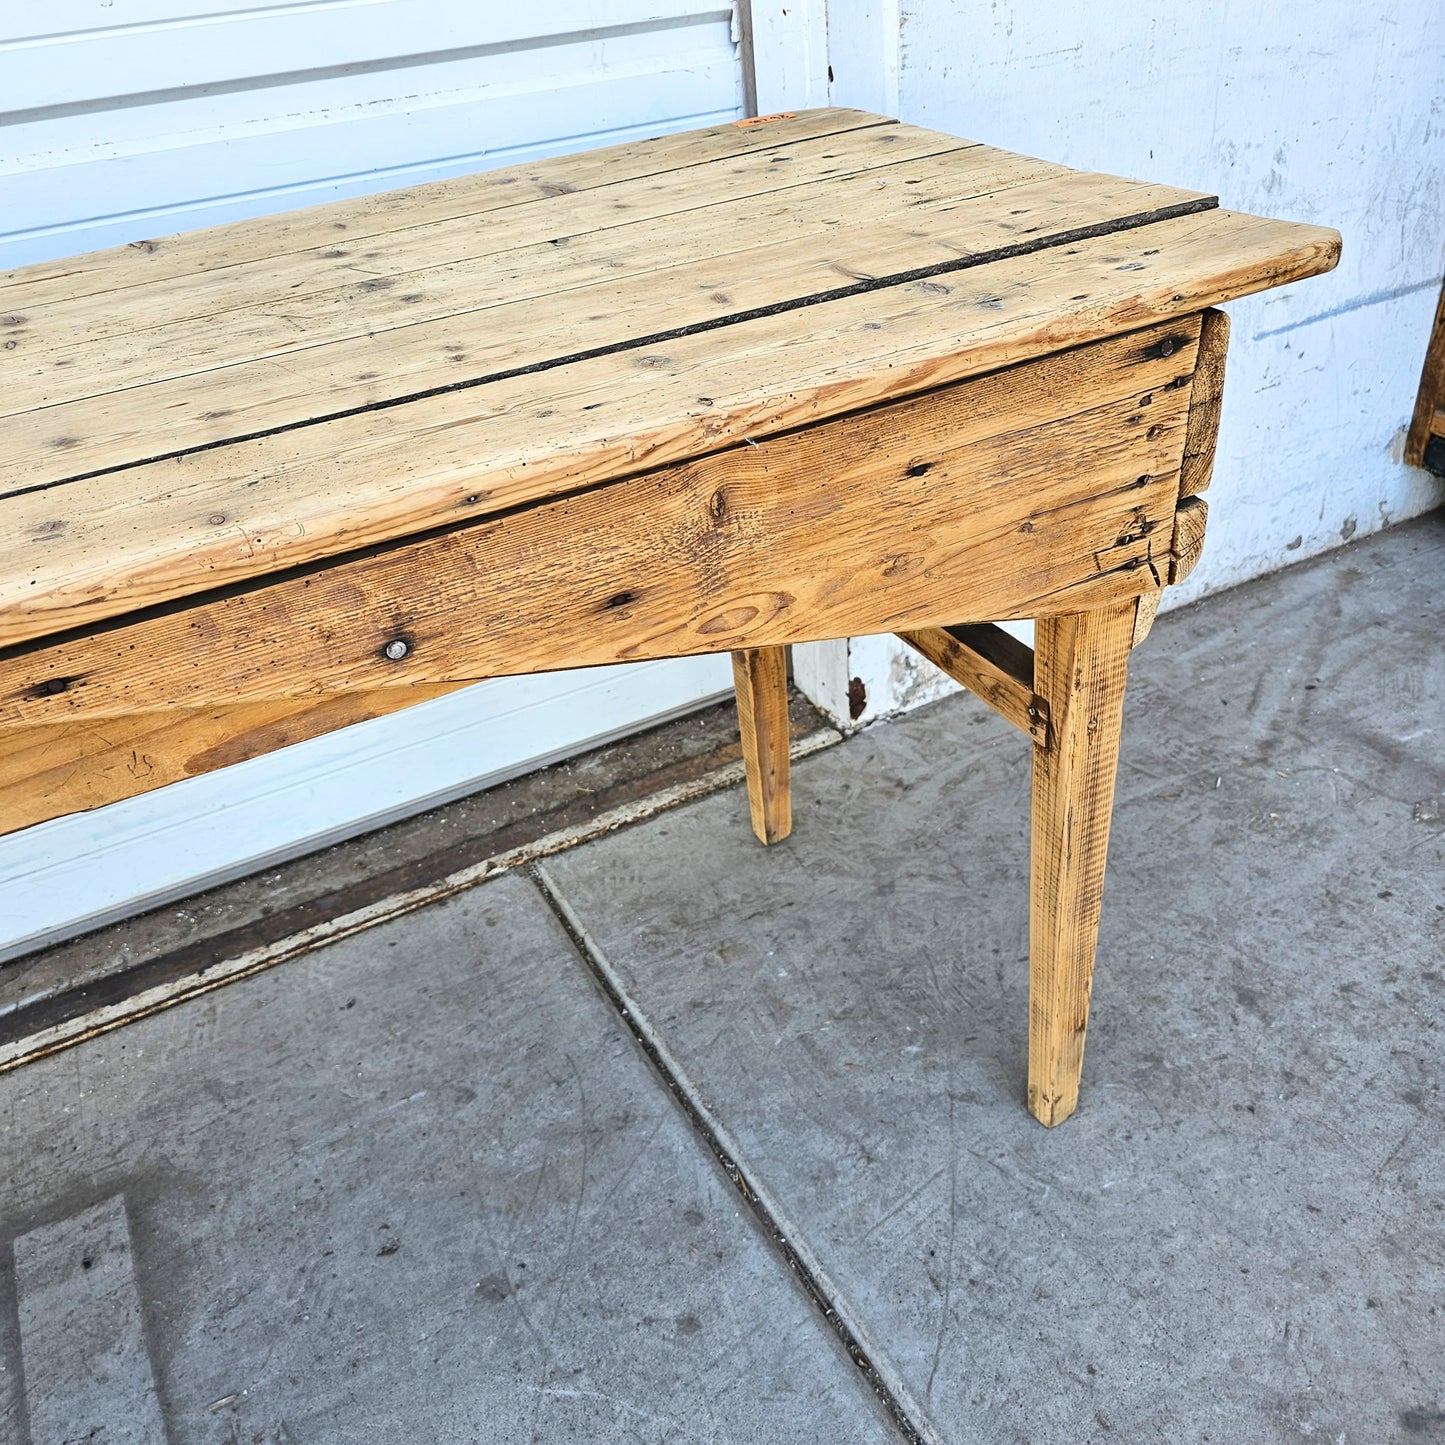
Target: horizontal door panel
pixel 103 202
pixel 267 45
pixel 82 871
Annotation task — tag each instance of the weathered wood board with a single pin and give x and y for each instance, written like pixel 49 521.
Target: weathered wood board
pixel 181 256
pixel 70 766
pixel 992 665
pixel 1427 423
pixel 1080 666
pixel 760 681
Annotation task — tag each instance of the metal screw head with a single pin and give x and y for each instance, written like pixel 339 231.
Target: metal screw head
pixel 396 649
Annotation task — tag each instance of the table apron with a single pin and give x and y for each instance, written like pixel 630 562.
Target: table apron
pixel 1047 488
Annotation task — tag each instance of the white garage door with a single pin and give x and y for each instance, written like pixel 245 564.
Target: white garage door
pixel 124 119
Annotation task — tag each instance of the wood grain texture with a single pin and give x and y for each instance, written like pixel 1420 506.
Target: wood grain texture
pixel 95 548
pixel 340 288
pixel 1080 664
pixel 286 363
pixel 993 665
pixel 360 218
pixel 1146 610
pixel 1428 418
pixel 1190 521
pixel 1205 401
pixel 1043 488
pixel 760 681
pixel 70 766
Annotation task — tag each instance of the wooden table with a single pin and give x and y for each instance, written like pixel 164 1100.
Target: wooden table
pixel 790 379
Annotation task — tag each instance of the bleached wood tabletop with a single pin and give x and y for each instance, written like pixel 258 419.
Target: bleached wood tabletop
pixel 791 379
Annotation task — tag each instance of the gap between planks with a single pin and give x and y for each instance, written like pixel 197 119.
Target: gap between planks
pixel 1068 236
pixel 413 255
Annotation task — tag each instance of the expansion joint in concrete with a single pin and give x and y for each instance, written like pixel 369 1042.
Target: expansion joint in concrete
pixel 712 1134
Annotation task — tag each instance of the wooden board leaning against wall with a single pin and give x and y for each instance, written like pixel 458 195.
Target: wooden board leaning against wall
pixel 1425 441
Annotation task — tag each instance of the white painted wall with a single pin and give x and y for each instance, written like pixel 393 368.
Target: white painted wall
pixel 1332 113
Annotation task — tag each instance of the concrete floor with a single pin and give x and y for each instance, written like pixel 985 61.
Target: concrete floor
pixel 423 1184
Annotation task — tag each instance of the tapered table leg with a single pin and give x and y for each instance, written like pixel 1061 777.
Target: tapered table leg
pixel 760 678
pixel 1079 668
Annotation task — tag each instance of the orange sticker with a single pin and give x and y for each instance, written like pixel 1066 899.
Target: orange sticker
pixel 751 120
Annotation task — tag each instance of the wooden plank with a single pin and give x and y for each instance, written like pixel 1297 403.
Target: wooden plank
pixel 71 766
pixel 1188 540
pixel 1426 420
pixel 357 286
pixel 879 521
pixel 530 304
pixel 992 664
pixel 1205 400
pixel 1080 663
pixel 109 544
pixel 241 377
pixel 361 217
pixel 760 680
